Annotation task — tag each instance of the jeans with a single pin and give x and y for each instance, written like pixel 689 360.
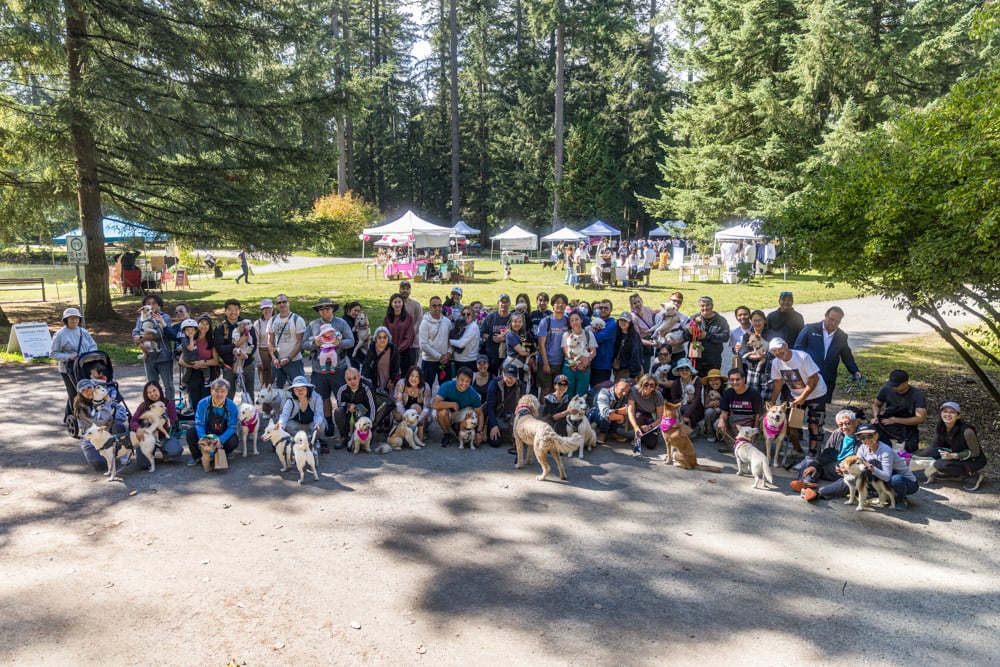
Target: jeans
pixel 170 447
pixel 605 426
pixel 162 372
pixel 902 486
pixel 287 373
pixel 249 371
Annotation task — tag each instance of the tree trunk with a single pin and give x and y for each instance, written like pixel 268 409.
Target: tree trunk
pixel 453 68
pixel 98 303
pixel 338 81
pixel 558 167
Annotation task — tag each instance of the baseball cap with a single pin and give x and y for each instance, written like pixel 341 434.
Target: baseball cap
pixel 865 428
pixel 404 282
pixel 502 297
pixel 510 372
pixel 266 303
pixel 84 384
pixel 898 377
pixel 482 357
pixel 457 290
pixel 627 316
pixel 951 404
pixel 559 379
pixel 784 294
pixel 776 344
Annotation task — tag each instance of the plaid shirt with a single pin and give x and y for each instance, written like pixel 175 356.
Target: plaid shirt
pixel 759 376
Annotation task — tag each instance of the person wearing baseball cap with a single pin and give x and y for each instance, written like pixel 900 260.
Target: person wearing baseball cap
pixel 786 322
pixel 898 411
pixel 502 396
pixel 797 371
pixel 887 465
pixel 70 342
pixel 328 381
pixel 956 452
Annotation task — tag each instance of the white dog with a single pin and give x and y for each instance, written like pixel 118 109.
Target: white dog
pixel 468 423
pixel 407 431
pixel 270 400
pixel 578 347
pixel 143 440
pixel 362 334
pixel 305 455
pixel 750 460
pixel 148 331
pixel 577 422
pixel 106 445
pixel 249 426
pixel 281 440
pixel 242 329
pixel 669 329
pixel 362 436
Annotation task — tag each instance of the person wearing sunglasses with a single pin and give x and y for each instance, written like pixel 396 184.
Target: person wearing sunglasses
pixel 645 412
pixel 555 406
pixel 888 466
pixel 434 343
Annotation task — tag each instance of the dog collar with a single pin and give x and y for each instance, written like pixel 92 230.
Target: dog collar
pixel 520 412
pixel 769 430
pixel 736 443
pixel 667 423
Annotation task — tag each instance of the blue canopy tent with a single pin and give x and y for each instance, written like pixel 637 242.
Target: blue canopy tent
pixel 116 230
pixel 600 228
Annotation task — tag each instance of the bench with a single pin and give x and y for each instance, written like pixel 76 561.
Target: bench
pixel 23 283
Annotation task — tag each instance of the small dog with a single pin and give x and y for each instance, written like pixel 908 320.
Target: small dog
pixel 304 455
pixel 282 443
pixel 858 476
pixel 670 322
pixel 143 440
pixel 407 431
pixel 677 435
pixel 578 348
pixel 548 264
pixel 328 341
pixel 242 329
pixel 362 335
pixel 269 401
pixel 467 422
pixel 750 460
pixel 775 430
pixel 248 428
pixel 212 454
pixel 577 422
pixel 155 419
pixel 755 344
pixel 506 272
pixel 148 331
pixel 362 436
pixel 107 445
pixel 538 438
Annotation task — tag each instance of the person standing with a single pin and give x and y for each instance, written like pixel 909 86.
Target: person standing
pixel 827 344
pixel 233 359
pixel 416 313
pixel 435 344
pixel 244 268
pixel 263 354
pixel 494 334
pixel 326 382
pixel 285 339
pixel 159 365
pixel 69 343
pixel 710 330
pixel 796 370
pixel 742 328
pixel 785 322
pixel 550 335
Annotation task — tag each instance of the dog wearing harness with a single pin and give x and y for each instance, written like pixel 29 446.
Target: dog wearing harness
pixel 249 421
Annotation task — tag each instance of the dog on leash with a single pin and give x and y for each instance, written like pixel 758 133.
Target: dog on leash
pixel 304 455
pixel 538 438
pixel 143 440
pixel 407 431
pixel 269 401
pixel 106 445
pixel 467 422
pixel 775 430
pixel 362 335
pixel 677 436
pixel 858 476
pixel 281 440
pixel 577 422
pixel 362 436
pixel 248 426
pixel 750 460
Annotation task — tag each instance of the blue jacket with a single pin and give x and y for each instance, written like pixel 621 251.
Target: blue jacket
pixel 810 340
pixel 605 346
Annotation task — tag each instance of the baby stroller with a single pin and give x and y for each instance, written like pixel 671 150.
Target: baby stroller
pixel 80 369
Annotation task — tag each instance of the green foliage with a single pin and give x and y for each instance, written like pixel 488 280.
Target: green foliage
pixel 338 220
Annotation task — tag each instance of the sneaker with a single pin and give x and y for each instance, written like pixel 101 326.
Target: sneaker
pixel 342 444
pixel 602 438
pixel 809 494
pixel 619 437
pixel 711 438
pixel 973 482
pixel 902 506
pixel 798 485
pixel 193 462
pixel 323 449
pixel 329 431
pixel 446 439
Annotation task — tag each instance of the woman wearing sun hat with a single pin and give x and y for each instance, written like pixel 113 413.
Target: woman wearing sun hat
pixel 687 391
pixel 303 409
pixel 70 342
pixel 714 380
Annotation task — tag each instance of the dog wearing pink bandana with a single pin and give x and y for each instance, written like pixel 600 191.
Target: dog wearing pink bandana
pixel 677 435
pixel 775 427
pixel 362 436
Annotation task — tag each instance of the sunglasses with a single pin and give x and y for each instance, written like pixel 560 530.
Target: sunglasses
pixel 867 436
pixel 648 385
pixel 281 302
pixel 563 384
pixel 435 305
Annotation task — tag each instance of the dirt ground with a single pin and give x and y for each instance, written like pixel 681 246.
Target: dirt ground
pixel 448 557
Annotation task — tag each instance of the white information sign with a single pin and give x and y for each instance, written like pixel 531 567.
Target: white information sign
pixel 76 250
pixel 31 339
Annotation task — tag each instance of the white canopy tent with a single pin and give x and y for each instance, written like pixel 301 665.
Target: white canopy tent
pixel 600 228
pixel 515 238
pixel 746 231
pixel 424 234
pixel 564 234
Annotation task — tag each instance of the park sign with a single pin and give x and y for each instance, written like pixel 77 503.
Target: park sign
pixel 31 339
pixel 76 249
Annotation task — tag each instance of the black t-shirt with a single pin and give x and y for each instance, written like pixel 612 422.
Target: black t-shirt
pixel 741 407
pixel 900 405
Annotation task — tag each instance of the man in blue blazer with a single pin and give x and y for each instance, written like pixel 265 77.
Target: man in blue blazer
pixel 827 345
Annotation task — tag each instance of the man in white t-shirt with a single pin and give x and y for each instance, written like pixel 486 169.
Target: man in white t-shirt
pixel 797 371
pixel 285 332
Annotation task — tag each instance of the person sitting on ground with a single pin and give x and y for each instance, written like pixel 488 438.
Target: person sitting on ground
pixel 454 396
pixel 87 413
pixel 412 392
pixel 168 444
pixel 740 406
pixel 823 466
pixel 555 406
pixel 712 387
pixel 216 417
pixel 645 412
pixel 686 390
pixel 898 411
pixel 501 400
pixel 610 411
pixel 303 410
pixel 889 466
pixel 956 451
pixel 69 343
pixel 354 400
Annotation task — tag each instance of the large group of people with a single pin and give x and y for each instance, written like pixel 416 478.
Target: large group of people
pixel 458 355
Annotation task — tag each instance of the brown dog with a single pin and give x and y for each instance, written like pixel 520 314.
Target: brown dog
pixel 677 435
pixel 212 454
pixel 537 437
